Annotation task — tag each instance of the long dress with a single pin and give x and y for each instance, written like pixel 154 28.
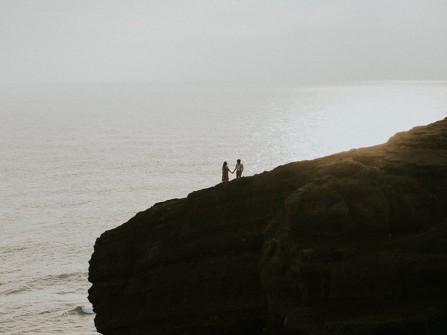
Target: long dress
pixel 225 170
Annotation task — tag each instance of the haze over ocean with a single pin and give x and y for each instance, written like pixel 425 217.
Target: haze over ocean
pixel 81 159
pixel 283 41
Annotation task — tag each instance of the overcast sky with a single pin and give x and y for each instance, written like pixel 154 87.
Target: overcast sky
pixel 222 40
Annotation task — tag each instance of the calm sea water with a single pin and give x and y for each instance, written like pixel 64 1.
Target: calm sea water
pixel 77 160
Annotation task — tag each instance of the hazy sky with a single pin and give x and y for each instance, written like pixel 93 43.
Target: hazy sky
pixel 222 40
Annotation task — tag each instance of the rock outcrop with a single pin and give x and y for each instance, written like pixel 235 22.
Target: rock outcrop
pixel 353 243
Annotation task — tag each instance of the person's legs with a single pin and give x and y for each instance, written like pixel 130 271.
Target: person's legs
pixel 238 174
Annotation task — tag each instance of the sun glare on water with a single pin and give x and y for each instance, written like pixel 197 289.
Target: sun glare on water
pixel 368 119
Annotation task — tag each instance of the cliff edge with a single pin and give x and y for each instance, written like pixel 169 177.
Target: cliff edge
pixel 353 243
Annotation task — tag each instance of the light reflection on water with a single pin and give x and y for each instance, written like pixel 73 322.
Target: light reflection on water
pixel 80 159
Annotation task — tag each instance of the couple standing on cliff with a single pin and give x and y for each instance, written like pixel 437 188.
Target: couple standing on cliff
pixel 238 168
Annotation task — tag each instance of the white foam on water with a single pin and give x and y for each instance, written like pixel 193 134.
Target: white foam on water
pixel 87 309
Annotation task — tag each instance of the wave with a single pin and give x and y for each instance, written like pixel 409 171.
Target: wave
pixel 50 280
pixel 83 309
pixel 19 290
pixel 67 282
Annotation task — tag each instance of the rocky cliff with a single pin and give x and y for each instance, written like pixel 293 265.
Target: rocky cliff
pixel 354 243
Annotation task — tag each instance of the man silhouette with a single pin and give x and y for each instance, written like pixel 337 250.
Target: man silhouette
pixel 238 168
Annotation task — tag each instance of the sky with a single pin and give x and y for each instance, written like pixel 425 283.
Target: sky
pixel 295 41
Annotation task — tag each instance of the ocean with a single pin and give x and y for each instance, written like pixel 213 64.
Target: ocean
pixel 79 159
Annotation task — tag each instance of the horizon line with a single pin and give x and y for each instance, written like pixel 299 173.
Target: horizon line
pixel 164 82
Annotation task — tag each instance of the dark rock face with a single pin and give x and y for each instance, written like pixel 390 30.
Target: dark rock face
pixel 354 243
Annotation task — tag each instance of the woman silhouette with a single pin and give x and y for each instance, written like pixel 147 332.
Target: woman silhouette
pixel 225 170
